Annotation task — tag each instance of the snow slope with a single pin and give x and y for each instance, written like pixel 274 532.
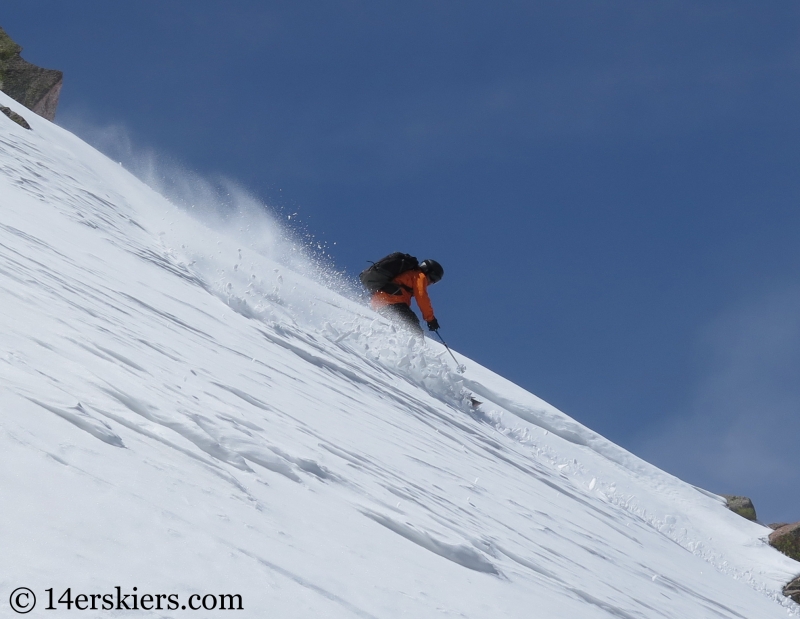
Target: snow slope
pixel 184 415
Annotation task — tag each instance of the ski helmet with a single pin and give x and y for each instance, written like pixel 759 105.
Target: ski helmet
pixel 432 269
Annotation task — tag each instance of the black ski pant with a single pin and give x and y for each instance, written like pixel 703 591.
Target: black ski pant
pixel 403 315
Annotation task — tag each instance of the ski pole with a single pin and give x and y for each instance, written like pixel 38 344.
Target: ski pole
pixel 460 368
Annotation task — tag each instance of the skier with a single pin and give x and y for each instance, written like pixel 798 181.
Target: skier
pixel 393 299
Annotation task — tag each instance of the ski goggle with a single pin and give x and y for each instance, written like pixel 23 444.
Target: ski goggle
pixel 433 277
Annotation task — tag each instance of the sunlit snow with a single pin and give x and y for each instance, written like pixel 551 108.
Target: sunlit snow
pixel 187 412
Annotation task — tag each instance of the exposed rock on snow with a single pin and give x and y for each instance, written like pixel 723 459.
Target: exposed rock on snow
pixel 792 590
pixel 15 117
pixel 741 505
pixel 36 88
pixel 787 540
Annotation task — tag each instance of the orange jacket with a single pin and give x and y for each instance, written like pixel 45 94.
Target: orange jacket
pixel 412 283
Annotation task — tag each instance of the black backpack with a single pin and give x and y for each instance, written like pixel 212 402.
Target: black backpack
pixel 379 276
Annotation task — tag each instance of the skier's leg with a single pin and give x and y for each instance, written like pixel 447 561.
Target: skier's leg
pixel 403 315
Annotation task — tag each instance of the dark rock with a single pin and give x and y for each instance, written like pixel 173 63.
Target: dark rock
pixel 792 590
pixel 787 540
pixel 777 525
pixel 741 505
pixel 35 88
pixel 14 116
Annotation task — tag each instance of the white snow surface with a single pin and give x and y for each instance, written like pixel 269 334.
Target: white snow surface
pixel 185 415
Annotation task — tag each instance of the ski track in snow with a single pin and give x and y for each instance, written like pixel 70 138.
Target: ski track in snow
pixel 167 389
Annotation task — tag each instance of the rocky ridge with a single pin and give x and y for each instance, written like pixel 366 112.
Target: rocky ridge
pixel 36 88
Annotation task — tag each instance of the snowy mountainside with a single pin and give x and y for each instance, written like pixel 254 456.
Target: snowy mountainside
pixel 187 416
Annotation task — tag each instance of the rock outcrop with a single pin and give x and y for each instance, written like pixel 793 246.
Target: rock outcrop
pixel 35 88
pixel 787 540
pixel 15 117
pixel 792 590
pixel 741 505
pixel 784 537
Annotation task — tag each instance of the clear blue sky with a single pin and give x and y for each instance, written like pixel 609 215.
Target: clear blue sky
pixel 613 187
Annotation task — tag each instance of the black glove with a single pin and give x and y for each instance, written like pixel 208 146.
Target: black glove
pixel 433 325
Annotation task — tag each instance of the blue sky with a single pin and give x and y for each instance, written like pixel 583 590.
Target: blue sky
pixel 611 186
